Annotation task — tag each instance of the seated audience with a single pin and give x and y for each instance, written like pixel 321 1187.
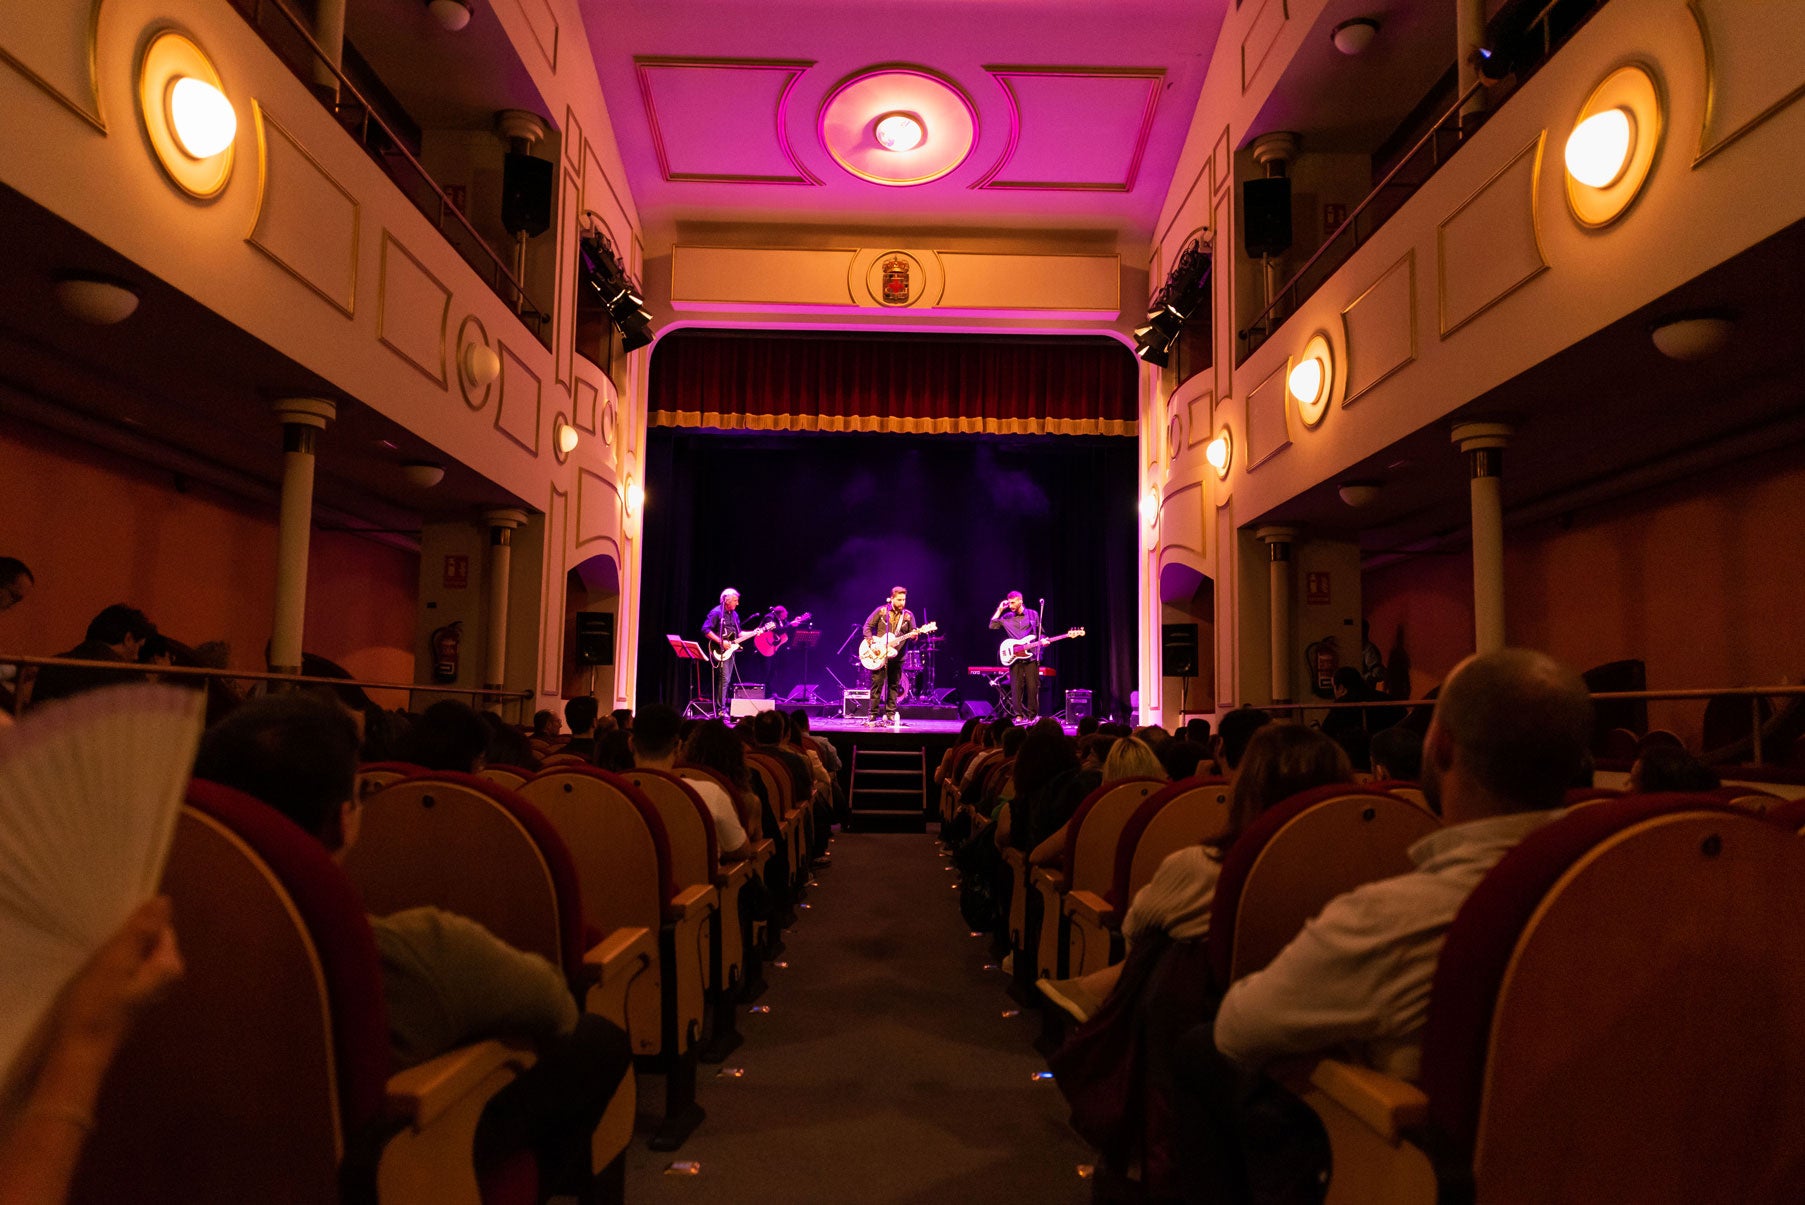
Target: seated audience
pixel 711 745
pixel 1197 731
pixel 447 736
pixel 623 718
pixel 1046 755
pixel 1397 754
pixel 548 733
pixel 654 744
pixel 1088 725
pixel 614 751
pixel 447 980
pixel 1232 735
pixel 580 716
pixel 1183 758
pixel 16 582
pixel 1664 768
pixel 52 1090
pixel 1281 760
pixel 508 745
pixel 116 634
pixel 1129 757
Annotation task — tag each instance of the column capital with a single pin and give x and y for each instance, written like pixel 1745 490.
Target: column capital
pixel 520 125
pixel 1476 437
pixel 506 517
pixel 1278 147
pixel 305 411
pixel 1277 534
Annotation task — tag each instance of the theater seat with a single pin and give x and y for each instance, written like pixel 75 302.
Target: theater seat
pixel 1618 1015
pixel 504 776
pixel 264 1074
pixel 1089 862
pixel 373 776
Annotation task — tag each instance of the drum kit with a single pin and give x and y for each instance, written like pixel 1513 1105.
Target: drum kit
pixel 917 677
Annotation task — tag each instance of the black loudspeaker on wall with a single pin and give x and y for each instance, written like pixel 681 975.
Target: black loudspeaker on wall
pixel 1180 646
pixel 1266 215
pixel 595 638
pixel 977 709
pixel 526 194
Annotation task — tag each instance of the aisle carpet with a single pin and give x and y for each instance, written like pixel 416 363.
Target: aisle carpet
pixel 885 1071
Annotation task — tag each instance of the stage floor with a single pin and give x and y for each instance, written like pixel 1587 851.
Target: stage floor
pixel 835 723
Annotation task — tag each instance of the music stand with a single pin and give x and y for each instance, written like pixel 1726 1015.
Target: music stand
pixel 690 651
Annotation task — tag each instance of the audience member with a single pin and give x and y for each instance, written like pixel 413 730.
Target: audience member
pixel 1197 731
pixel 580 716
pixel 1088 725
pixel 546 725
pixel 1129 757
pixel 1664 768
pixel 16 582
pixel 1232 735
pixel 623 718
pixel 52 1090
pixel 614 751
pixel 116 634
pixel 1397 754
pixel 654 744
pixel 1036 808
pixel 711 745
pixel 448 736
pixel 1182 757
pixel 508 745
pixel 446 979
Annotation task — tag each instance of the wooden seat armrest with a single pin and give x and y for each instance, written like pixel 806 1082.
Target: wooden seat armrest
pixel 1016 859
pixel 1049 877
pixel 733 874
pixel 421 1095
pixel 1389 1106
pixel 763 848
pixel 620 953
pixel 1089 906
pixel 698 899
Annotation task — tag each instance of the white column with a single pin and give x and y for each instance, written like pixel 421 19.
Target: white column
pixel 1278 541
pixel 501 525
pixel 1469 36
pixel 329 32
pixel 1484 445
pixel 303 418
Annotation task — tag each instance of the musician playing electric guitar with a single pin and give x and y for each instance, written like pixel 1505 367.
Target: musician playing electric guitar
pixel 1021 622
pixel 721 637
pixel 888 627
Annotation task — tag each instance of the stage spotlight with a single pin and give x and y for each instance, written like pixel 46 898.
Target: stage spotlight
pixel 608 285
pixel 1156 354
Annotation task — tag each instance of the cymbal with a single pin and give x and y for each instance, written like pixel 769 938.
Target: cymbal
pixel 932 639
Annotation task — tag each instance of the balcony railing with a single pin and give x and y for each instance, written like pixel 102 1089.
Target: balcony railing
pixel 295 44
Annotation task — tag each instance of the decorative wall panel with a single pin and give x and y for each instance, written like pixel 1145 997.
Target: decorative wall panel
pixel 1489 247
pixel 306 220
pixel 1748 77
pixel 583 405
pixel 544 24
pixel 1261 34
pixel 413 310
pixel 517 416
pixel 53 46
pixel 1379 328
pixel 1267 428
pixel 598 507
pixel 722 119
pixel 1045 152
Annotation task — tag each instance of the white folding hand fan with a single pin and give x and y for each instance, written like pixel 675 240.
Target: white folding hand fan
pixel 89 792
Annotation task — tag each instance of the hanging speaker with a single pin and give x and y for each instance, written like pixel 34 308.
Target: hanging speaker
pixel 595 638
pixel 1180 649
pixel 1266 215
pixel 526 194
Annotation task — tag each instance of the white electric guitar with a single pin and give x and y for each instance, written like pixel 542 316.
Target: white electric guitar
pixel 1011 651
pixel 875 650
pixel 721 654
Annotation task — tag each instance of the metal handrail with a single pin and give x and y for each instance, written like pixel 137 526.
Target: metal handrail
pixel 539 318
pixel 244 675
pixel 1258 324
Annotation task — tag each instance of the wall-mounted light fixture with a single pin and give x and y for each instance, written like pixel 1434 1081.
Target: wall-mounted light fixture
pixel 1611 149
pixel 635 497
pixel 479 363
pixel 188 117
pixel 564 438
pixel 1311 379
pixel 1220 451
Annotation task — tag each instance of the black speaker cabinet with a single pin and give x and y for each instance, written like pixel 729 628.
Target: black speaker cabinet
pixel 1077 705
pixel 595 638
pixel 526 194
pixel 977 709
pixel 1266 215
pixel 1180 649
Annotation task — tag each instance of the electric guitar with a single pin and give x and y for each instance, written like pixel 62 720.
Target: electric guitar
pixel 1011 651
pixel 722 654
pixel 769 642
pixel 875 650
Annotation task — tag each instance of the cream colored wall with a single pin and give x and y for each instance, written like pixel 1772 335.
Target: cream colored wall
pixel 1483 273
pixel 313 250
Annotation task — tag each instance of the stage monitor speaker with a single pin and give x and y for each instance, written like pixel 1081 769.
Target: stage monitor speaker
pixel 1180 648
pixel 595 637
pixel 1266 215
pixel 977 709
pixel 1077 705
pixel 740 707
pixel 526 194
pixel 748 690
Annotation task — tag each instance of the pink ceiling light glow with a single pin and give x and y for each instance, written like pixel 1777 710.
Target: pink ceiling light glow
pixel 875 126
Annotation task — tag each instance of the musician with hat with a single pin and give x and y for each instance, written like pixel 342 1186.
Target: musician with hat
pixel 1020 622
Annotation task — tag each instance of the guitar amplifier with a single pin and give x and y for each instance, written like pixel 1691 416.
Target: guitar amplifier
pixel 750 706
pixel 748 690
pixel 854 703
pixel 1077 705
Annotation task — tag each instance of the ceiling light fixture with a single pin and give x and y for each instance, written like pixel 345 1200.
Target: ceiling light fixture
pixel 422 474
pixel 899 132
pixel 1688 337
pixel 201 117
pixel 452 15
pixel 95 299
pixel 1353 37
pixel 1599 147
pixel 1360 493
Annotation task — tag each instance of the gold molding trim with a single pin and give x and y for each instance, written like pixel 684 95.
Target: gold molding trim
pixel 564 286
pixel 1408 262
pixel 437 376
pixel 1165 545
pixel 577 406
pixel 574 145
pixel 1708 149
pixel 852 252
pixel 1207 398
pixel 260 117
pixel 465 384
pixel 501 404
pixel 1535 147
pixel 1249 74
pixel 1223 157
pixel 95 117
pixel 1116 276
pixel 872 422
pixel 797 68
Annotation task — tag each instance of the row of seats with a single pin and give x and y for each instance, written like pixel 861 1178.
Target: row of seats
pixel 1592 879
pixel 270 1070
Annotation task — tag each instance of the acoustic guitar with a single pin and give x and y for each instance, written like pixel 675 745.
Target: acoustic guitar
pixel 769 642
pixel 875 650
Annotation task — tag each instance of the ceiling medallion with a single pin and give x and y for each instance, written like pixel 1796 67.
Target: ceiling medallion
pixel 875 124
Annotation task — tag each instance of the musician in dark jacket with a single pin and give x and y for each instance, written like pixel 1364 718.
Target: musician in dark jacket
pixel 887 623
pixel 1018 621
pixel 719 631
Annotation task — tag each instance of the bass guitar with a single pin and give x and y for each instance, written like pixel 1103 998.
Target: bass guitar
pixel 1011 651
pixel 769 642
pixel 875 650
pixel 722 654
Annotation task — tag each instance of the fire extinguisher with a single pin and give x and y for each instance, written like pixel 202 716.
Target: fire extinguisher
pixel 445 651
pixel 1323 660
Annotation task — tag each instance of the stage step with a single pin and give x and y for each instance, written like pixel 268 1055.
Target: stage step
pixel 889 790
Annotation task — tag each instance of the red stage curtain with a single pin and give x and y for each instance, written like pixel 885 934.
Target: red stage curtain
pixel 920 385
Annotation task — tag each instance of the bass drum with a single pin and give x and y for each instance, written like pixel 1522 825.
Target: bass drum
pixel 905 686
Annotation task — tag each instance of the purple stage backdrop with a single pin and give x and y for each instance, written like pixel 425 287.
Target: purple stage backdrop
pixel 827 523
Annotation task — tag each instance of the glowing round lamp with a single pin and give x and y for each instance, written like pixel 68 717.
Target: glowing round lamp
pixel 1220 452
pixel 1309 379
pixel 899 132
pixel 187 117
pixel 567 438
pixel 1599 147
pixel 1305 381
pixel 201 116
pixel 635 497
